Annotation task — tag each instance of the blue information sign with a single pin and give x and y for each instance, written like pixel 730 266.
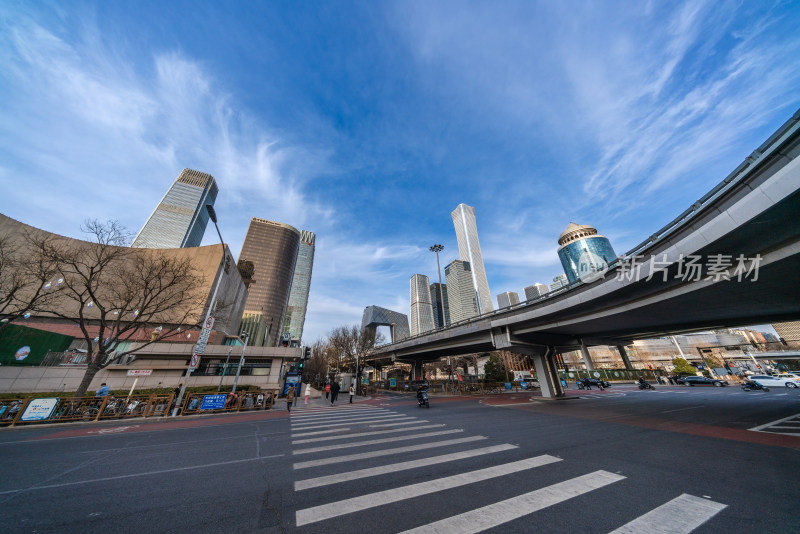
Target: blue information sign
pixel 392 382
pixel 508 385
pixel 213 402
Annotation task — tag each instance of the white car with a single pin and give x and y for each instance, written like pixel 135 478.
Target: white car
pixel 785 380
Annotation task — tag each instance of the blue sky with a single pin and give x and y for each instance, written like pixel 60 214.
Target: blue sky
pixel 369 122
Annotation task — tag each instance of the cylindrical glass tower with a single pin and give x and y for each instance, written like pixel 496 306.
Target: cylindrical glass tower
pixel 584 253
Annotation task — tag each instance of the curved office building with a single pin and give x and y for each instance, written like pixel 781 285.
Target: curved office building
pixel 584 253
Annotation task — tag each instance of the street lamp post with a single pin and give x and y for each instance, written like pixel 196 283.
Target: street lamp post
pixel 246 336
pixel 437 249
pixel 213 216
pixel 225 369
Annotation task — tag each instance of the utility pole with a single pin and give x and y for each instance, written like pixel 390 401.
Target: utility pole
pixel 437 249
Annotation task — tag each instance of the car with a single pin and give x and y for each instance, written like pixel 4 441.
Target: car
pixel 596 382
pixel 702 381
pixel 780 381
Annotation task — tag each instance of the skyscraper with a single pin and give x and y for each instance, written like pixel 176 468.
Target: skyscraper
pixel 535 291
pixel 509 298
pixel 461 293
pixel 441 306
pixel 584 254
pixel 272 248
pixel 301 284
pixel 559 282
pixel 421 308
pixel 469 250
pixel 180 218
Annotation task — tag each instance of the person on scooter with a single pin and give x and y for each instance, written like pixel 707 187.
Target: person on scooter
pixel 420 390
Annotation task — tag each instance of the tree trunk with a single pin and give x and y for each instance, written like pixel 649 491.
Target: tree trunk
pixel 91 370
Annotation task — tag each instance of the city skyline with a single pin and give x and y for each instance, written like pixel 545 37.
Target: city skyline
pixel 535 114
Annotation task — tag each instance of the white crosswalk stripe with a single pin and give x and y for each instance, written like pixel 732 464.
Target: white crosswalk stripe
pixel 789 426
pixel 329 429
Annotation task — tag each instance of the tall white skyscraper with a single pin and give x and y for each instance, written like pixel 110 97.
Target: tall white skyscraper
pixel 301 284
pixel 469 250
pixel 421 308
pixel 509 298
pixel 461 295
pixel 180 218
pixel 535 291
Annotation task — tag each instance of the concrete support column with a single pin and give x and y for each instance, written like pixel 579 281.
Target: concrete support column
pixel 624 355
pixel 548 374
pixel 587 359
pixel 417 371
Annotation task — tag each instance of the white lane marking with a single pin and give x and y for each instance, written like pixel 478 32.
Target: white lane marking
pixel 376 441
pixel 320 432
pixel 355 504
pixel 385 452
pixel 112 430
pixel 337 413
pixel 345 419
pixel 384 425
pixel 362 434
pixel 681 515
pixel 757 428
pixel 516 507
pixel 401 466
pixel 370 420
pixel 682 409
pixel 147 473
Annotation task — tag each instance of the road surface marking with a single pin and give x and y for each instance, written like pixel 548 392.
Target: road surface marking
pixel 516 507
pixel 336 413
pixel 758 428
pixel 401 466
pixel 333 431
pixel 147 473
pixel 355 504
pixel 383 425
pixel 385 452
pixel 334 416
pixel 362 434
pixel 681 515
pixel 376 441
pixel 310 425
pixel 682 409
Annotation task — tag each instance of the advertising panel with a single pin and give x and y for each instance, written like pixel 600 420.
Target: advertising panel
pixel 39 409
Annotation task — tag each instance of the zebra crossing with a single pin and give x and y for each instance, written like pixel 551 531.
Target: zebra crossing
pixel 341 437
pixel 788 426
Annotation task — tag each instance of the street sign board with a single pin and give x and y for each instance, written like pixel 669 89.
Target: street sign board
pixel 209 323
pixel 195 360
pixel 392 382
pixel 139 372
pixel 39 409
pixel 213 402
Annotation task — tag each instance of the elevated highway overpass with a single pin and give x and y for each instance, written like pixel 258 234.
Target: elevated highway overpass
pixel 753 215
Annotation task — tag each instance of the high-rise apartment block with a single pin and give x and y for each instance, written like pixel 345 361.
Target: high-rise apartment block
pixel 461 293
pixel 559 282
pixel 469 250
pixel 273 250
pixel 535 291
pixel 181 217
pixel 583 253
pixel 509 298
pixel 301 284
pixel 421 308
pixel 440 303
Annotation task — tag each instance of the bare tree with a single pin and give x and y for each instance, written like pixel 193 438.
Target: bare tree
pixel 24 280
pixel 117 294
pixel 348 343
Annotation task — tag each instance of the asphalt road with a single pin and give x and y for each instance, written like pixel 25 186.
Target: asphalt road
pixel 676 459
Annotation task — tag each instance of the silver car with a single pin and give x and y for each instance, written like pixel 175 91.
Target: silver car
pixel 767 380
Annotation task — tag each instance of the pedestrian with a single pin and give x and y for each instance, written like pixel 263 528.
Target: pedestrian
pixel 290 395
pixel 327 389
pixel 103 391
pixel 307 392
pixel 334 392
pixel 352 392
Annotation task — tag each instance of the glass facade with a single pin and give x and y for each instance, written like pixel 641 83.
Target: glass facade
pixel 586 256
pixel 440 309
pixel 509 298
pixel 461 294
pixel 535 291
pixel 272 248
pixel 469 250
pixel 375 316
pixel 421 307
pixel 301 285
pixel 181 217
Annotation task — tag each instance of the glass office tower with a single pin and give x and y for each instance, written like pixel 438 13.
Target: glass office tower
pixel 535 291
pixel 421 307
pixel 509 298
pixel 441 307
pixel 272 248
pixel 181 217
pixel 469 250
pixel 461 293
pixel 584 254
pixel 301 284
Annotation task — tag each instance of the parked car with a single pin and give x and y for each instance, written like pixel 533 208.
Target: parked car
pixel 780 381
pixel 596 382
pixel 702 381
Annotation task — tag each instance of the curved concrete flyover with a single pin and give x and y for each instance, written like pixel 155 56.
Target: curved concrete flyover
pixel 754 212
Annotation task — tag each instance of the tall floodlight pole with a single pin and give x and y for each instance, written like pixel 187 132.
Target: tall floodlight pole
pixel 437 249
pixel 199 348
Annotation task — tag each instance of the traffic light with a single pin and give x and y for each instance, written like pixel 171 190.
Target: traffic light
pixel 306 353
pixel 300 365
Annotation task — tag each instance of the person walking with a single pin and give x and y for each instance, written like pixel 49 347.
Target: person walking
pixel 307 392
pixel 327 389
pixel 334 392
pixel 352 392
pixel 290 398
